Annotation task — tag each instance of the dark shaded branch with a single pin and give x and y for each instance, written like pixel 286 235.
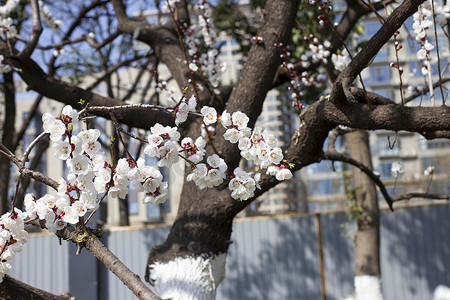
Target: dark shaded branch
pixel 390 117
pixel 13 289
pixel 409 196
pixel 440 134
pixel 7 137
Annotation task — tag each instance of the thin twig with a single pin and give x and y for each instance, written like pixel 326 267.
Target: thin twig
pixel 32 144
pixel 336 156
pixel 437 52
pixel 117 126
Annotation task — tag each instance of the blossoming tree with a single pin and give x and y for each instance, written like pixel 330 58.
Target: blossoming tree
pixel 211 127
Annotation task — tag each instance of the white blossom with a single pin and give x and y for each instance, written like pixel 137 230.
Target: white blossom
pixel 209 115
pixel 397 169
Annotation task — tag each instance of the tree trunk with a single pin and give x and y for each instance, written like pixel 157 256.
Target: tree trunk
pixel 7 139
pixel 367 239
pixel 190 264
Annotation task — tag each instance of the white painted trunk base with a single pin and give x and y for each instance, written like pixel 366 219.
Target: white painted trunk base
pixel 441 293
pixel 368 288
pixel 188 278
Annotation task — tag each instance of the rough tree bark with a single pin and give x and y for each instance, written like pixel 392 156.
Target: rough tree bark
pixel 12 289
pixel 367 238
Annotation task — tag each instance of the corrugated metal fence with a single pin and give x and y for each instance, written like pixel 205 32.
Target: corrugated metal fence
pixel 270 258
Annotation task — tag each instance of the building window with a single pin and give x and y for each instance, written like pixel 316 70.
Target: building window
pixel 388 148
pixel 325 187
pixel 386 170
pixel 380 74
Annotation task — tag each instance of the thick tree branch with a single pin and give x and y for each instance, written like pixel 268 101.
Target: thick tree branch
pixel 13 289
pixel 440 134
pixel 390 117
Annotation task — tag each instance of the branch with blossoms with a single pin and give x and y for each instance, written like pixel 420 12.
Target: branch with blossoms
pixel 77 196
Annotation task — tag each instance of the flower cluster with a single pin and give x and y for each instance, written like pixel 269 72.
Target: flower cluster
pixel 162 144
pixel 9 6
pixel 183 108
pixel 7 28
pixel 259 145
pixel 195 151
pixel 90 173
pixel 209 175
pixel 397 169
pixel 429 171
pixel 12 238
pixel 317 53
pixel 341 60
pixel 242 185
pixel 150 180
pixel 203 34
pixel 422 22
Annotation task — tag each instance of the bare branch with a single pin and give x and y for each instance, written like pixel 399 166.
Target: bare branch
pixel 409 196
pixel 336 156
pixel 36 32
pixel 426 90
pixel 32 144
pixel 38 176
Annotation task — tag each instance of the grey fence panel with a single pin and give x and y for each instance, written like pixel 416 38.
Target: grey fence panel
pixel 415 252
pixel 272 259
pixel 131 247
pixel 337 236
pixel 43 263
pixel 269 258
